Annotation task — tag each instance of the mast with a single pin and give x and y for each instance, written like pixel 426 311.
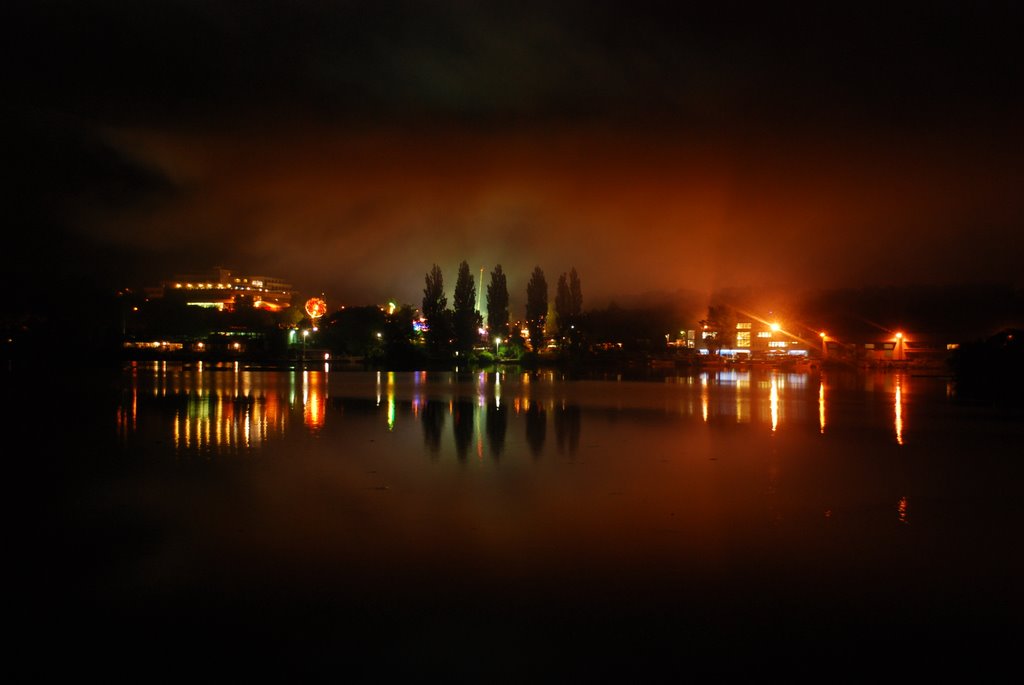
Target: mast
pixel 480 289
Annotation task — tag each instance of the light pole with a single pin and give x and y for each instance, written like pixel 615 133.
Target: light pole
pixel 497 344
pixel 305 334
pixel 824 346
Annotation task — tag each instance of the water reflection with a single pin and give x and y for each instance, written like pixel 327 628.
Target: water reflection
pixel 898 412
pixel 462 426
pixel 229 407
pixel 821 406
pixel 432 418
pixel 567 428
pixel 536 427
pixel 314 395
pixel 773 399
pixel 696 498
pixel 497 424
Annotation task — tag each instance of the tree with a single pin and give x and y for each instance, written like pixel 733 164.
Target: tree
pixel 435 310
pixel 569 307
pixel 398 336
pixel 467 318
pixel 536 308
pixel 563 306
pixel 719 328
pixel 575 308
pixel 575 295
pixel 497 304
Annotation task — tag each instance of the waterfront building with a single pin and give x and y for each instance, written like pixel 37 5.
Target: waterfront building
pixel 222 289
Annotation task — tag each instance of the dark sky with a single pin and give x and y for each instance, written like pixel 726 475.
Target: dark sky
pixel 348 146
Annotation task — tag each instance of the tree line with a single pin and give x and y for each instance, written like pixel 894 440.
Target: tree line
pixel 458 328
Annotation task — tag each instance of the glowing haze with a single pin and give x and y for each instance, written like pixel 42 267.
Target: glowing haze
pixel 348 149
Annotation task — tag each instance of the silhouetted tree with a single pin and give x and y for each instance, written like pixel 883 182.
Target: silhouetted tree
pixel 354 331
pixel 497 304
pixel 536 308
pixel 398 336
pixel 467 319
pixel 575 308
pixel 575 293
pixel 563 305
pixel 434 310
pixel 721 322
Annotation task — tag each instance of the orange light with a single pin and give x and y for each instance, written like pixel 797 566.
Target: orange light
pixel 899 335
pixel 774 326
pixel 822 334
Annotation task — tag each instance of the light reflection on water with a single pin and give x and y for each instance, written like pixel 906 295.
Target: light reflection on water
pixel 225 408
pixel 789 503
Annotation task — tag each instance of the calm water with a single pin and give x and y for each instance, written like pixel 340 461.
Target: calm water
pixel 506 525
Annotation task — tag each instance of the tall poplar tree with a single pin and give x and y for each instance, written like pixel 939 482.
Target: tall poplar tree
pixel 575 296
pixel 497 304
pixel 467 319
pixel 536 308
pixel 434 310
pixel 563 307
pixel 575 309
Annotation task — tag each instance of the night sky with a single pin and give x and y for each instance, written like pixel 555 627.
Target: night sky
pixel 348 146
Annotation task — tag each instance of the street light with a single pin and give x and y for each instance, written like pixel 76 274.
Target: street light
pixel 497 343
pixel 305 334
pixel 824 347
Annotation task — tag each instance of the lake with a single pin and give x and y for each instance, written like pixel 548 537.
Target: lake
pixel 219 520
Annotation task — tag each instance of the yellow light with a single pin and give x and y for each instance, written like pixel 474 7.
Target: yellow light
pixel 899 335
pixel 774 326
pixel 822 334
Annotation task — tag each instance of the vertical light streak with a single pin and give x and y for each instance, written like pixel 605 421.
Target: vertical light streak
pixel 773 402
pixel 704 395
pixel 902 508
pixel 899 409
pixel 391 400
pixel 247 430
pixel 821 406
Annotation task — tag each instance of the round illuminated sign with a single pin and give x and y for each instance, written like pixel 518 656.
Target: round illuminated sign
pixel 316 307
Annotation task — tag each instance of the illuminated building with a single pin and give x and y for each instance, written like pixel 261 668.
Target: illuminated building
pixel 221 289
pixel 748 340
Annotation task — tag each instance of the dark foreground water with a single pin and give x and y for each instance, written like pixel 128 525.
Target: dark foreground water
pixel 216 521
